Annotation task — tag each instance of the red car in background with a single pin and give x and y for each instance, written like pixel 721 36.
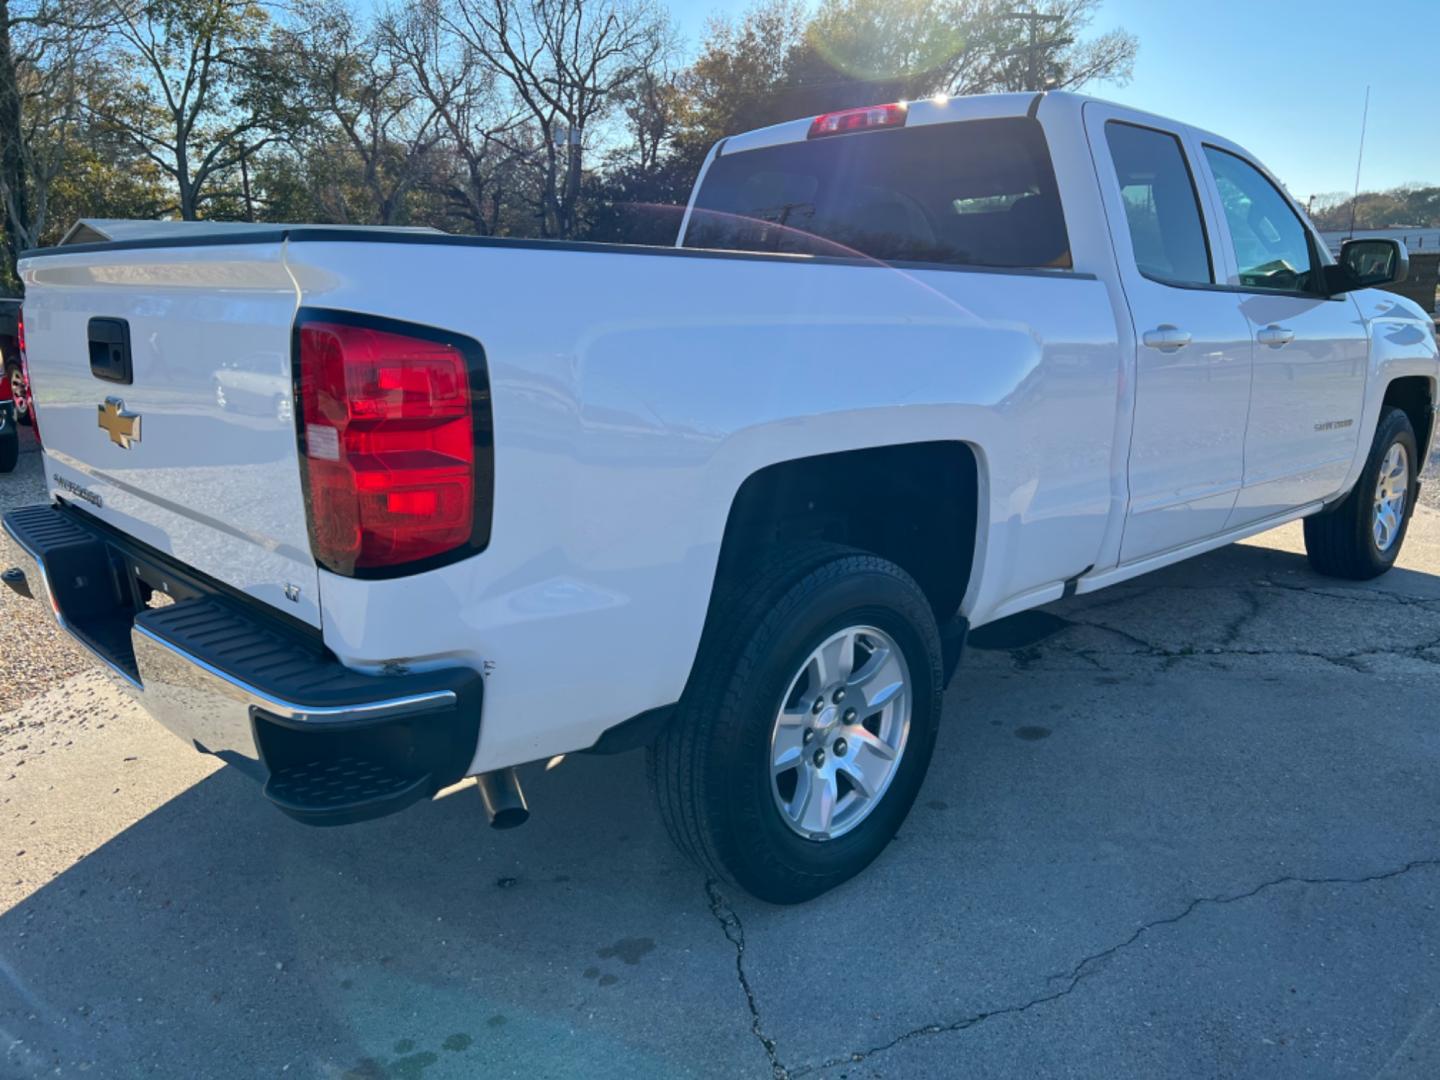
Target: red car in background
pixel 14 387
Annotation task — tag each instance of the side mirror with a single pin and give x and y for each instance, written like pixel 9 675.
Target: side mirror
pixel 1371 261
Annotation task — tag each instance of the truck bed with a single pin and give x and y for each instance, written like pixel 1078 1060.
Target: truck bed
pixel 632 389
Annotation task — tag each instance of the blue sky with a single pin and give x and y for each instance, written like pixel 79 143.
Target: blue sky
pixel 1285 80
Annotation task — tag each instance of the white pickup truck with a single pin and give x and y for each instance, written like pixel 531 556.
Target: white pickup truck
pixel 908 370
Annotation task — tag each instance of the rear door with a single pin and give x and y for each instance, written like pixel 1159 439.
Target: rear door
pixel 1311 351
pixel 129 352
pixel 1192 381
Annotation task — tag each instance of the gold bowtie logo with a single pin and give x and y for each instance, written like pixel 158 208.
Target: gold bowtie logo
pixel 122 427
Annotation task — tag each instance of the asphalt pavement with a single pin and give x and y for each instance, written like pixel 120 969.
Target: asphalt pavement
pixel 1185 826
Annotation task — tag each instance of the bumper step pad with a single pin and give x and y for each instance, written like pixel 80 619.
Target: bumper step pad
pixel 335 787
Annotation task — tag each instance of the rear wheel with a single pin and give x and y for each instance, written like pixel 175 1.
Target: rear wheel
pixel 21 395
pixel 1360 537
pixel 807 726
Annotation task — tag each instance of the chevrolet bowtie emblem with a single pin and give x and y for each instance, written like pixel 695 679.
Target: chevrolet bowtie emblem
pixel 122 427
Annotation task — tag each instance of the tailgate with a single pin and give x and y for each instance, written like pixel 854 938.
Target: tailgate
pixel 193 449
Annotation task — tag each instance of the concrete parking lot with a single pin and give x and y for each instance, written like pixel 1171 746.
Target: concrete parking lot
pixel 1190 825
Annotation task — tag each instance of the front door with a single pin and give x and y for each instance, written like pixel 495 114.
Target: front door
pixel 1311 351
pixel 1193 363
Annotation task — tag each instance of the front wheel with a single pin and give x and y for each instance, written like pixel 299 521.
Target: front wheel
pixel 1360 537
pixel 808 723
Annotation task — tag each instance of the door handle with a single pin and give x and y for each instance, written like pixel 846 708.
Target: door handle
pixel 1166 338
pixel 1275 336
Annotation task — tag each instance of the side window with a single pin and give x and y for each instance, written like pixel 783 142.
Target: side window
pixel 1162 207
pixel 1272 245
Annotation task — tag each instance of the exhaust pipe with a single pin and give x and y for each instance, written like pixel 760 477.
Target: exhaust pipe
pixel 503 800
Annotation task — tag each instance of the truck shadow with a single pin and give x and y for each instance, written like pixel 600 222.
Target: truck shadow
pixel 1073 795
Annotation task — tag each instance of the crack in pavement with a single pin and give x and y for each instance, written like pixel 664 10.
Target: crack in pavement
pixel 1348 660
pixel 1236 626
pixel 734 930
pixel 1116 595
pixel 1094 963
pixel 1088 966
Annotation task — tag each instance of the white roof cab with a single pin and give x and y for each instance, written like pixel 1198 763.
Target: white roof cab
pixel 433 506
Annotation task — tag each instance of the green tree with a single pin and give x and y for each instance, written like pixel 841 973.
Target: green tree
pixel 1414 206
pixel 738 79
pixel 45 72
pixel 202 100
pixel 859 52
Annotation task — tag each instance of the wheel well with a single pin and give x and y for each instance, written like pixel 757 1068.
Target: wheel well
pixel 1412 395
pixel 915 504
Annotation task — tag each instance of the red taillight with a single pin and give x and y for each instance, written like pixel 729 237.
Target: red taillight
pixel 848 120
pixel 24 387
pixel 389 425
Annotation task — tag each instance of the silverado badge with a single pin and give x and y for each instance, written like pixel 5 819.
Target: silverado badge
pixel 122 427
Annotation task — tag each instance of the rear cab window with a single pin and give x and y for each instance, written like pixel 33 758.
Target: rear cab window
pixel 967 193
pixel 1162 205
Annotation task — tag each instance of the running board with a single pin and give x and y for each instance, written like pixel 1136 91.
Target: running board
pixel 1126 571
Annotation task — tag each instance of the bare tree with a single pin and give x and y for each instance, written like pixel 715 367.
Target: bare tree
pixel 566 62
pixel 478 123
pixel 348 76
pixel 1041 48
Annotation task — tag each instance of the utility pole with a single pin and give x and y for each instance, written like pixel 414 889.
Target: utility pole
pixel 1035 49
pixel 245 187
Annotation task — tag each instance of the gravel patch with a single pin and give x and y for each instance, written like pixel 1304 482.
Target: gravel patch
pixel 34 654
pixel 1430 482
pixel 31 728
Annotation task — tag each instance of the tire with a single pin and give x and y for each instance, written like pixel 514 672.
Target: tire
pixel 21 395
pixel 9 449
pixel 711 766
pixel 1342 541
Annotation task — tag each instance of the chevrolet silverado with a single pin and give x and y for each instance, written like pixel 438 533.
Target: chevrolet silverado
pixel 908 370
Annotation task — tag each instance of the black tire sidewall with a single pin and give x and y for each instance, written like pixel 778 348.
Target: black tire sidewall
pixel 1394 427
pixel 763 853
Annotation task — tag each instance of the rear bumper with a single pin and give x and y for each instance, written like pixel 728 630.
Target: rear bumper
pixel 334 744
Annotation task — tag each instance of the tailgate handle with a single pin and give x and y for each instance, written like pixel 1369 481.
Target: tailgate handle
pixel 110 350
